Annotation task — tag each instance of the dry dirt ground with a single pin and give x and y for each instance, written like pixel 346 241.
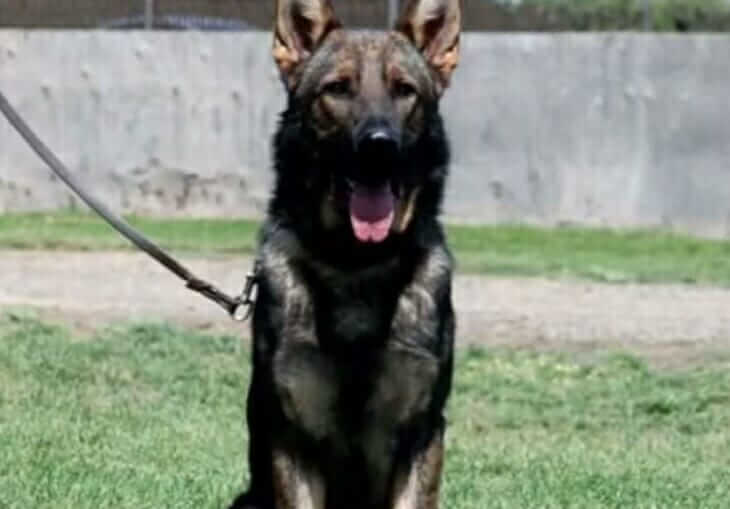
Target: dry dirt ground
pixel 671 325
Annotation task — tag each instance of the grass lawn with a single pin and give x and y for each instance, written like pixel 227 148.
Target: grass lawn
pixel 146 416
pixel 603 255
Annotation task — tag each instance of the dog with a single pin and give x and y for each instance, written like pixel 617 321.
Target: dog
pixel 353 326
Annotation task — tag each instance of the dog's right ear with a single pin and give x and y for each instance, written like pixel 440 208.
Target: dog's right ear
pixel 301 25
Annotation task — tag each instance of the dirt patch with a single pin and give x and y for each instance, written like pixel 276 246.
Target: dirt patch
pixel 671 325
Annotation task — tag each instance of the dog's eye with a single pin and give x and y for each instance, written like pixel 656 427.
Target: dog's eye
pixel 404 89
pixel 337 88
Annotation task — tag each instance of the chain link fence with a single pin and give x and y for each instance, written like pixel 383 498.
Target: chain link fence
pixel 492 15
pixel 170 14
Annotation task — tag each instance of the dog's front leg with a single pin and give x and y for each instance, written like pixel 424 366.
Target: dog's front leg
pixel 424 322
pixel 296 486
pixel 417 483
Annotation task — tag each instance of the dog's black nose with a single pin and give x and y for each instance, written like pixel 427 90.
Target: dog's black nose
pixel 378 144
pixel 377 148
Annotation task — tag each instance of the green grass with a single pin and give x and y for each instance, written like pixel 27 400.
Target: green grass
pixel 147 416
pixel 603 255
pixel 597 254
pixel 75 231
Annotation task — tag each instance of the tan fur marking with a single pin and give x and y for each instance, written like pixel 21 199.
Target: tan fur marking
pixel 296 487
pixel 418 488
pixel 330 218
pixel 406 211
pixel 446 62
pixel 286 58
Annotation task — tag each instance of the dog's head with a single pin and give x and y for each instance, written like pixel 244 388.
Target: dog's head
pixel 362 122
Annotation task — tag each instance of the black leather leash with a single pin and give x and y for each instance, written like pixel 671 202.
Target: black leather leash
pixel 239 308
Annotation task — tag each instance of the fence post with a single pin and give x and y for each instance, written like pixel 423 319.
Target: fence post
pixel 648 24
pixel 149 14
pixel 393 9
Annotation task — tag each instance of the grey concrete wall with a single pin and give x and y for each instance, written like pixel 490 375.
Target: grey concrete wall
pixel 598 129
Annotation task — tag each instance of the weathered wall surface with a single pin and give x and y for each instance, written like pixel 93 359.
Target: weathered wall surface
pixel 155 122
pixel 599 129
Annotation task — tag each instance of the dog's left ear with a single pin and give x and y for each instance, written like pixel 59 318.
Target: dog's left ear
pixel 434 27
pixel 300 26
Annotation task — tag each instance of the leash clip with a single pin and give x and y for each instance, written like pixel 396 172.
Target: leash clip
pixel 247 299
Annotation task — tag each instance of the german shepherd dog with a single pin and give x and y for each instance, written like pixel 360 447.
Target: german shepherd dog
pixel 353 326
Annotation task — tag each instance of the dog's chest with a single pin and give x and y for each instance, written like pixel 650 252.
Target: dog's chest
pixel 343 376
pixel 357 398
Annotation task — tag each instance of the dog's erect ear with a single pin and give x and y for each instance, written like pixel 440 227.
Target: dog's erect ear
pixel 434 27
pixel 299 28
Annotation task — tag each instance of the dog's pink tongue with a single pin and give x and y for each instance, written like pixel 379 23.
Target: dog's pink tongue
pixel 371 213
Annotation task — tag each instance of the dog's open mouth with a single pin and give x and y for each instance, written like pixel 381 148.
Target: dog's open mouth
pixel 372 211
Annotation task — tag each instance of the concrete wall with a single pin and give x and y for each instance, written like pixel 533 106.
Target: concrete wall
pixel 600 129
